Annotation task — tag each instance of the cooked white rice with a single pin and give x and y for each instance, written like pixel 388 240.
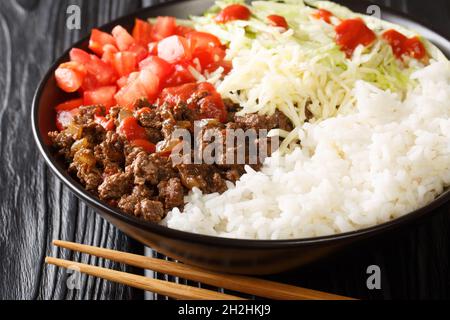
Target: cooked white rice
pixel 386 159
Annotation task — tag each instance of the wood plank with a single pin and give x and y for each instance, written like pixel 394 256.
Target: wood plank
pixel 35 207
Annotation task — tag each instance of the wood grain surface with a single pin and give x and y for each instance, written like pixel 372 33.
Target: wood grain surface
pixel 36 208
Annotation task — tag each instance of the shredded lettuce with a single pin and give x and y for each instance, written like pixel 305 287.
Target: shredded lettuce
pixel 301 71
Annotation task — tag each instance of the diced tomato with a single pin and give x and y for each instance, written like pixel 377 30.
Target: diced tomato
pixel 142 32
pixel 159 67
pixel 133 76
pixel 396 40
pixel 80 56
pixel 164 27
pixel 145 85
pixel 150 82
pixel 129 94
pixel 99 40
pixel 65 118
pixel 70 76
pixel 153 48
pixel 415 48
pixel 89 83
pixel 69 105
pixel 202 96
pixel 139 51
pixel 99 74
pixel 108 53
pixel 144 144
pixel 181 75
pixel 108 125
pixel 278 21
pixel 210 59
pixel 352 33
pixel 226 65
pixel 130 128
pixel 200 41
pixel 324 15
pixel 233 12
pixel 208 49
pixel 174 49
pixel 402 45
pixel 125 63
pixel 123 38
pixel 211 106
pixel 183 30
pixel 122 82
pixel 101 96
pixel 174 95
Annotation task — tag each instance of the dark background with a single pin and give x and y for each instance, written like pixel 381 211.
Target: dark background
pixel 36 208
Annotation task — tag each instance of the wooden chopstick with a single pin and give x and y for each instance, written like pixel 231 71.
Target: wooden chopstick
pixel 169 289
pixel 244 284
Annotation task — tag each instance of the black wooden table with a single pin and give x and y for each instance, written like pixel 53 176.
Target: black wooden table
pixel 36 208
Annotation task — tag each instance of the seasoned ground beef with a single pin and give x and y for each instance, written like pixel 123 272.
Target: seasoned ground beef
pixel 137 181
pixel 151 169
pixel 258 122
pixel 172 193
pixel 133 203
pixel 62 142
pixel 202 176
pixel 115 186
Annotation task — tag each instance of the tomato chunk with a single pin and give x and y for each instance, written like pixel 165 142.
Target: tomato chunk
pixel 181 75
pixel 139 85
pixel 211 106
pixel 183 30
pixel 159 67
pixel 142 32
pixel 101 96
pixel 144 144
pixel 139 51
pixel 352 33
pixel 415 48
pixel 99 72
pixel 278 21
pixel 129 94
pixel 199 41
pixel 125 63
pixel 210 59
pixel 108 53
pixel 402 45
pixel 122 82
pixel 123 38
pixel 108 125
pixel 164 27
pixel 153 48
pixel 99 40
pixel 131 129
pixel 324 15
pixel 174 49
pixel 233 12
pixel 69 105
pixel 70 76
pixel 202 97
pixel 150 82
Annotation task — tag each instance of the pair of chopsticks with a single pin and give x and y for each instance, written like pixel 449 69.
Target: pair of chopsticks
pixel 253 286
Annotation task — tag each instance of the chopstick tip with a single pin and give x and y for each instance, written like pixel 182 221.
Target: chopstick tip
pixel 57 243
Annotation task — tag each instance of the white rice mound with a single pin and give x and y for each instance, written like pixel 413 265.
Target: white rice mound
pixel 384 160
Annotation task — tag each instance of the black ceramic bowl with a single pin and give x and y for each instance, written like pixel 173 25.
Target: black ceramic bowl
pixel 225 255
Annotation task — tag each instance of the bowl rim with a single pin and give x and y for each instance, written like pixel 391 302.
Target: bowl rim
pixel 174 234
